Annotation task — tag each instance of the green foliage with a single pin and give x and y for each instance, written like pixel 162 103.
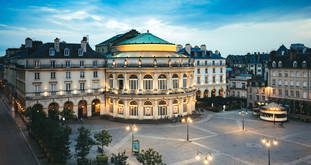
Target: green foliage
pixel 68 114
pixel 54 140
pixel 101 159
pixel 83 145
pixel 150 157
pixel 53 114
pixel 103 138
pixel 119 159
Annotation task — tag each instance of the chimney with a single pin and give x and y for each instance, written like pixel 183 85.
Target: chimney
pixel 178 47
pixel 217 52
pixel 188 48
pixel 28 42
pixel 56 44
pixel 203 49
pixel 83 44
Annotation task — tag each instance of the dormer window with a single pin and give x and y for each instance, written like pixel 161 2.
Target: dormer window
pixel 280 64
pixel 51 51
pixel 66 51
pixel 295 64
pixel 273 64
pixel 80 52
pixel 304 64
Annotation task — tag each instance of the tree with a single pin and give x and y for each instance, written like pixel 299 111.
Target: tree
pixel 67 114
pixel 83 145
pixel 119 159
pixel 103 138
pixel 150 157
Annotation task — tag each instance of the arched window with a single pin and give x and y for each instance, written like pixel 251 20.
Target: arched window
pixel 133 108
pixel 175 106
pixel 147 82
pixel 162 82
pixel 120 107
pixel 175 81
pixel 110 81
pixel 133 82
pixel 51 51
pixel 304 64
pixel 162 108
pixel 66 52
pixel 120 81
pixel 148 110
pixel 273 64
pixel 184 81
pixel 295 64
pixel 280 64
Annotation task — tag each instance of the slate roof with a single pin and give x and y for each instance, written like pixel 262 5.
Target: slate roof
pixel 288 60
pixel 144 38
pixel 248 59
pixel 43 51
pixel 199 54
pixel 119 37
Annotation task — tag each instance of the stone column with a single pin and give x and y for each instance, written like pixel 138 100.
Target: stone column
pixel 170 108
pixel 155 109
pixel 180 80
pixel 114 85
pixel 126 82
pixel 140 83
pixel 140 110
pixel 180 106
pixel 115 108
pixel 169 81
pixel 126 110
pixel 155 82
pixel 89 110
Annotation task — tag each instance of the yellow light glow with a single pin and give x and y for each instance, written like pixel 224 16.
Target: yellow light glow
pixel 147 47
pixel 128 128
pixel 206 161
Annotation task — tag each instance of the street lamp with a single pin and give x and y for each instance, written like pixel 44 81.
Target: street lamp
pixel 206 158
pixel 243 113
pixel 133 128
pixel 187 120
pixel 269 143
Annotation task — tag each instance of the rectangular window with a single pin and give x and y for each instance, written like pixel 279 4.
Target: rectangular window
pixel 37 90
pixel 53 89
pixel 292 93
pixel 213 62
pixel 68 88
pixel 286 92
pixel 81 74
pixel 53 63
pixel 206 70
pixel 37 76
pixel 220 70
pixel 67 63
pixel 221 79
pixel 206 80
pixel 111 83
pixel 214 79
pixel 134 110
pixel 53 75
pixel 297 94
pixel 198 62
pixel 198 80
pixel 280 92
pixel 82 87
pixel 95 74
pixel 205 62
pixel 68 75
pixel 37 64
pixel 94 63
pixel 81 63
pixel 220 62
pixel 198 71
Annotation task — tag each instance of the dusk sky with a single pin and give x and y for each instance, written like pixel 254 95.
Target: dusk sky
pixel 230 26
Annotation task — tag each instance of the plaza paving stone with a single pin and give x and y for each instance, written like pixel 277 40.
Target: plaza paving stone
pixel 217 133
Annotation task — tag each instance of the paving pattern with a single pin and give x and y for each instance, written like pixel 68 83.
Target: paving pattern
pixel 217 133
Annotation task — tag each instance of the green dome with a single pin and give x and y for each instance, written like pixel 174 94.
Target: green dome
pixel 144 38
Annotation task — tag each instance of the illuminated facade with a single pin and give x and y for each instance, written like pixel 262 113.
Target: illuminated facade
pixel 131 76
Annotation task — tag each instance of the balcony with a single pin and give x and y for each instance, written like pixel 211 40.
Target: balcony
pixel 147 65
pixel 57 66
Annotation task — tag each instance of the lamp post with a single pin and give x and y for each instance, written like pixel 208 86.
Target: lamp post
pixel 187 120
pixel 206 158
pixel 243 113
pixel 133 128
pixel 269 143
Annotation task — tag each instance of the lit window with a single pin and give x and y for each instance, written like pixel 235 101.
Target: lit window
pixel 133 82
pixel 175 81
pixel 162 82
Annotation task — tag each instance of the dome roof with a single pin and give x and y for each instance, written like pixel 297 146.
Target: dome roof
pixel 144 38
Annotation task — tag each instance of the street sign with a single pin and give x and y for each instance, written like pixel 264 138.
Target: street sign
pixel 136 146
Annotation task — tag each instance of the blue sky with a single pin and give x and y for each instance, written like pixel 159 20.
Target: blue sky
pixel 233 27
